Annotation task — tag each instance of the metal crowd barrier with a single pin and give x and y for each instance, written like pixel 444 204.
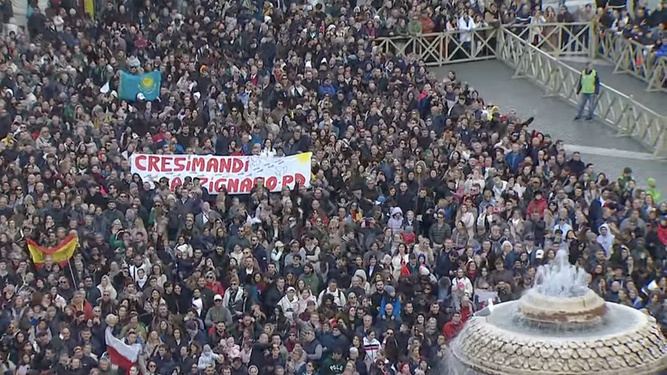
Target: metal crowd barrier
pixel 438 49
pixel 533 51
pixel 633 58
pixel 575 39
pixel 628 117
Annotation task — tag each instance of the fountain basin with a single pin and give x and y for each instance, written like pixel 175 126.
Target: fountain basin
pixel 622 341
pixel 571 312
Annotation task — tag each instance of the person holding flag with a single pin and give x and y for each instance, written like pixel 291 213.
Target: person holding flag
pixel 60 254
pixel 124 354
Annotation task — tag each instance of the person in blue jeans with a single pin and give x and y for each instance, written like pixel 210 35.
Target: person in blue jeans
pixel 589 88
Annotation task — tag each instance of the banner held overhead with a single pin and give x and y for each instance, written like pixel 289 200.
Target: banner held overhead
pixel 236 174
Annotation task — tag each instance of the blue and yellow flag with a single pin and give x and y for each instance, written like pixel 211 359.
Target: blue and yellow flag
pixel 132 85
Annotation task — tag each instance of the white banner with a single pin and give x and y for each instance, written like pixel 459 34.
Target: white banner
pixel 237 174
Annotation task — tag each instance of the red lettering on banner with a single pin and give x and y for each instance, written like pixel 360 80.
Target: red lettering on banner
pixel 237 166
pixel 212 165
pixel 271 183
pixel 225 165
pixel 152 163
pixel 233 185
pixel 218 184
pixel 176 181
pixel 197 165
pixel 179 165
pixel 246 185
pixel 215 173
pixel 165 164
pixel 138 161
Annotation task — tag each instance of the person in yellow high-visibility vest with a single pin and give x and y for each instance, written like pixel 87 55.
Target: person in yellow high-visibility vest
pixel 589 88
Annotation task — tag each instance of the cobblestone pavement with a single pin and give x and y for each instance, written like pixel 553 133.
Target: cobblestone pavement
pixel 625 83
pixel 596 141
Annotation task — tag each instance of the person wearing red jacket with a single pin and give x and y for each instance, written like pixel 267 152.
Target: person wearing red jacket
pixel 662 231
pixel 453 327
pixel 214 285
pixel 79 304
pixel 537 204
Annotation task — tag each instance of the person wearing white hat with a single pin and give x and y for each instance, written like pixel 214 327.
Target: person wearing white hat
pixel 289 303
pixel 218 313
pixel 277 254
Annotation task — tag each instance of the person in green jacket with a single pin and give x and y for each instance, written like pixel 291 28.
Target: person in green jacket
pixel 589 87
pixel 653 191
pixel 310 278
pixel 334 365
pixel 415 26
pixel 116 238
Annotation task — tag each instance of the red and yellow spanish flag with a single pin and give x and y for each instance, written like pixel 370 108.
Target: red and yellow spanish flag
pixel 60 254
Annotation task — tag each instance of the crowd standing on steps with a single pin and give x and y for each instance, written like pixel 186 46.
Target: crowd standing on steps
pixel 425 203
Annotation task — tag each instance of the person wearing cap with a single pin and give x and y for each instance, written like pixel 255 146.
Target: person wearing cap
pixel 537 204
pixel 207 357
pixel 335 364
pixel 278 254
pixel 218 313
pixel 390 298
pixel 290 303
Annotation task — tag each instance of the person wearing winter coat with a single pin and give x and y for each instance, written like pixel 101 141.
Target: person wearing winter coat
pixel 537 204
pixel 206 358
pixel 290 303
pixel 395 223
pixel 234 299
pixel 606 239
pixel 218 313
pixel 390 297
pixel 461 287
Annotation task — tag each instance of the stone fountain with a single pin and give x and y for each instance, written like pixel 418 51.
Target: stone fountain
pixel 559 327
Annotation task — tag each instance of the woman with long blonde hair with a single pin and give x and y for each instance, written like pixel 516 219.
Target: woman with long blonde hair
pixel 152 343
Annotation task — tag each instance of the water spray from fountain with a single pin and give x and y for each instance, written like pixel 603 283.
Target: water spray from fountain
pixel 561 279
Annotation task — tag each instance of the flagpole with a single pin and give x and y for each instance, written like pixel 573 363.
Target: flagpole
pixel 69 263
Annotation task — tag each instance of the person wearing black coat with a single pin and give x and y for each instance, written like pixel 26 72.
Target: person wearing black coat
pixel 273 294
pixel 257 356
pixel 238 368
pixel 272 361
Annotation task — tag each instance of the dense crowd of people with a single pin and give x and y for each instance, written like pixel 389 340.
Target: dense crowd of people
pixel 425 202
pixel 645 26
